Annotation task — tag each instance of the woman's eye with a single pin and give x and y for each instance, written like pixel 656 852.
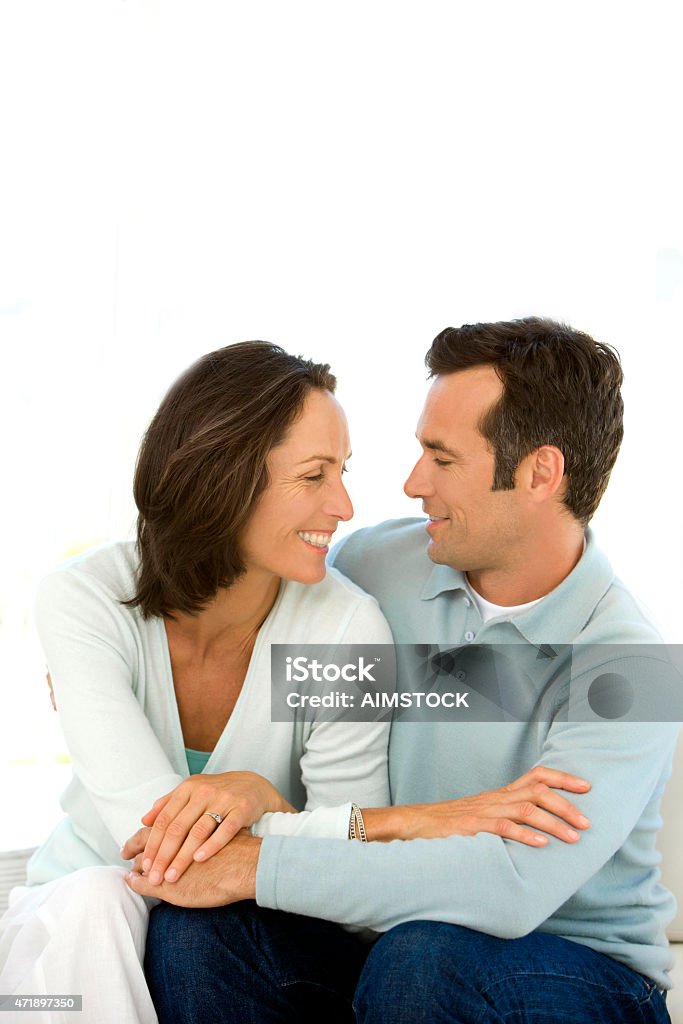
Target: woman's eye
pixel 321 476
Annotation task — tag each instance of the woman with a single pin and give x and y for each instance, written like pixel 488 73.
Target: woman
pixel 160 658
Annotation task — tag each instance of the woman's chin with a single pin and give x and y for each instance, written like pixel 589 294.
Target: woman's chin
pixel 310 574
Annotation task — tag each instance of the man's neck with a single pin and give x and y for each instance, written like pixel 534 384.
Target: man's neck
pixel 535 569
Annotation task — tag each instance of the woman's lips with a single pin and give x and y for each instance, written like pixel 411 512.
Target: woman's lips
pixel 317 540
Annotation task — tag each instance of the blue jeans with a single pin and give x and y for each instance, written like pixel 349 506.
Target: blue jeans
pixel 248 965
pixel 428 973
pixel 255 966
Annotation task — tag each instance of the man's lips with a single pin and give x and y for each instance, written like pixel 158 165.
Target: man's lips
pixel 435 522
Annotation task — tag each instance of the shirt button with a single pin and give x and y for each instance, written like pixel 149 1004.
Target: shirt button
pixel 460 675
pixel 467 602
pixel 469 636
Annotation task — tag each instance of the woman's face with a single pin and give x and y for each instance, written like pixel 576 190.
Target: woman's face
pixel 291 527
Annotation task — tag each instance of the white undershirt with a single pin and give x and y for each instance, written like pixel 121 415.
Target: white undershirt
pixel 488 610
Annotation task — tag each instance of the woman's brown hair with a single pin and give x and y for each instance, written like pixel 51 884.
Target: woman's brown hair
pixel 202 467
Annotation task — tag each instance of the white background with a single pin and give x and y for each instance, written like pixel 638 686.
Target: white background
pixel 345 180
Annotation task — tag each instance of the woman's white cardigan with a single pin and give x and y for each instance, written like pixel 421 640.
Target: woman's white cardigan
pixel 111 673
pixel 83 930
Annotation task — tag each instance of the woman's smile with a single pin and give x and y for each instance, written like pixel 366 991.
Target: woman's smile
pixel 317 539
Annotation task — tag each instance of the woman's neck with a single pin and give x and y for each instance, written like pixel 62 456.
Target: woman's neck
pixel 231 619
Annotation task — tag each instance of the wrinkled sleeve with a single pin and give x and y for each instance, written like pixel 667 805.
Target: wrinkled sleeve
pixel 91 656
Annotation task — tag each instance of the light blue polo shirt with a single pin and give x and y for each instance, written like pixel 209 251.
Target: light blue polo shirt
pixel 603 891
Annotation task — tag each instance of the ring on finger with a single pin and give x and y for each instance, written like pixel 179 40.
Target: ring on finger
pixel 216 817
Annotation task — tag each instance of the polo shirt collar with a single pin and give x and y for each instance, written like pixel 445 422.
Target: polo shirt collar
pixel 440 579
pixel 562 614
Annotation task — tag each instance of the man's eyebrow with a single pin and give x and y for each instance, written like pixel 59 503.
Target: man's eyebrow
pixel 321 458
pixel 435 445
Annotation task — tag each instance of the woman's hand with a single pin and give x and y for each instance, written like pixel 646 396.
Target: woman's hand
pixel 182 828
pixel 528 810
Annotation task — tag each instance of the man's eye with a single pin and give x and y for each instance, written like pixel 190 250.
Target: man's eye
pixel 441 462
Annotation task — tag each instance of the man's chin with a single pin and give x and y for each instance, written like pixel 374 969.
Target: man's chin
pixel 436 553
pixel 440 554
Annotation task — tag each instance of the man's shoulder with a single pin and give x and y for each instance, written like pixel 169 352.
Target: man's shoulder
pixel 593 606
pixel 620 617
pixel 387 555
pixel 385 536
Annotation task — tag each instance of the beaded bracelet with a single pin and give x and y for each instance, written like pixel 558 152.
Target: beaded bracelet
pixel 357 825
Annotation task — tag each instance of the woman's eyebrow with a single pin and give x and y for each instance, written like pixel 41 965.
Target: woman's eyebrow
pixel 321 458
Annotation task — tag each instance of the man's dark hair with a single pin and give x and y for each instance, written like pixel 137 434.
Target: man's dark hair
pixel 202 467
pixel 560 387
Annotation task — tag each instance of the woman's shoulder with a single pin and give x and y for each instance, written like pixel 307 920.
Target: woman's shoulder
pixel 107 572
pixel 329 609
pixel 335 589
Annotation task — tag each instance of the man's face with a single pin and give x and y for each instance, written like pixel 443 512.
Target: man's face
pixel 472 528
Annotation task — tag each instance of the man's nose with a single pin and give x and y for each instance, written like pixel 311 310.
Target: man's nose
pixel 417 485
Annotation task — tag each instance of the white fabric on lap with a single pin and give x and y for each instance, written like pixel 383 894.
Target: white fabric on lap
pixel 83 934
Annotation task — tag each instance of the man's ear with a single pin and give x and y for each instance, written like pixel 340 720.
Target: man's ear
pixel 543 472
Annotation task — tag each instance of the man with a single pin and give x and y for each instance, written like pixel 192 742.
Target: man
pixel 519 433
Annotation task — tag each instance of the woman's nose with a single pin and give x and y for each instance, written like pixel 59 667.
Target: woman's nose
pixel 340 505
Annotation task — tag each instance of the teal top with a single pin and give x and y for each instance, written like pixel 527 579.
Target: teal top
pixel 604 890
pixel 196 760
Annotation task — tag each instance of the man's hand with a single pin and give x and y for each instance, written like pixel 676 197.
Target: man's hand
pixel 135 845
pixel 527 811
pixel 227 877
